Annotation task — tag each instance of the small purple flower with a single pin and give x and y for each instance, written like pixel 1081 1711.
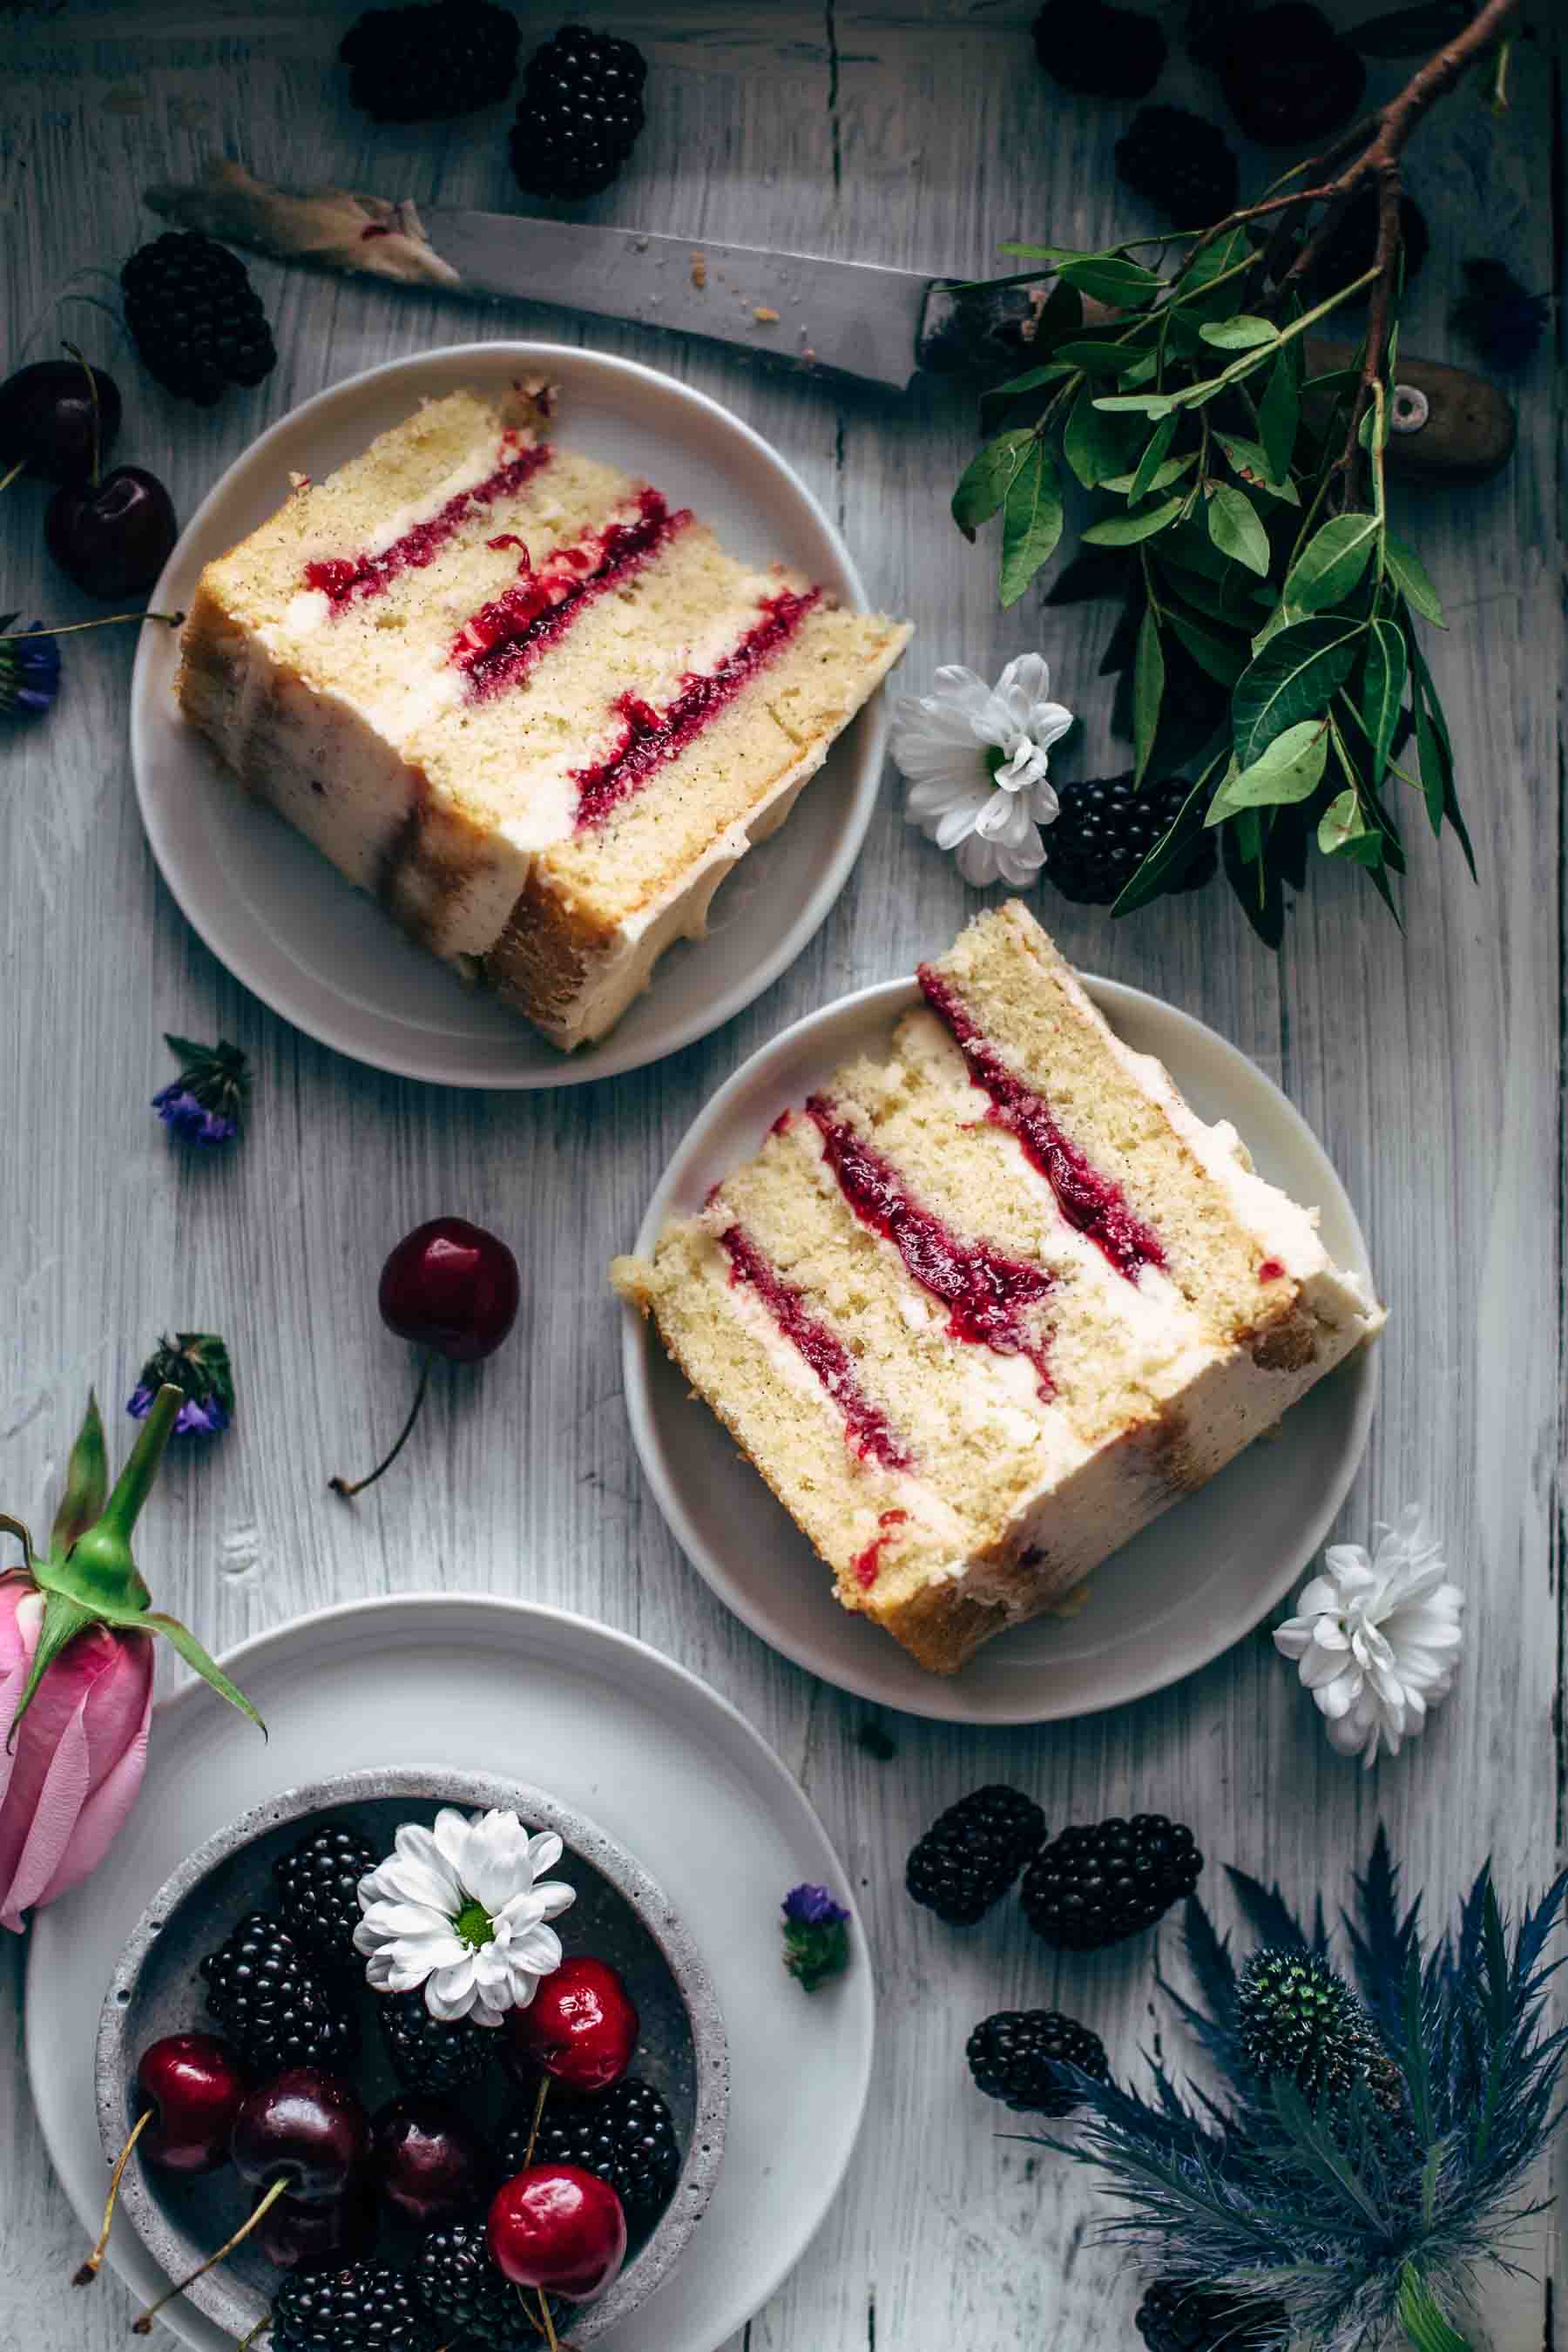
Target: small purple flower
pixel 29 669
pixel 205 1102
pixel 812 1906
pixel 196 1362
pixel 179 1108
pixel 816 1935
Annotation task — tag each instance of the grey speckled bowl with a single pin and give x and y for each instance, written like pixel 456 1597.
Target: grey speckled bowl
pixel 620 1916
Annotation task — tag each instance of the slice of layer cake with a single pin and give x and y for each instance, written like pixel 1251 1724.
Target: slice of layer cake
pixel 531 705
pixel 979 1310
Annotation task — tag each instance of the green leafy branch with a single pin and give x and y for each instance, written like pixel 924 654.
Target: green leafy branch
pixel 1269 631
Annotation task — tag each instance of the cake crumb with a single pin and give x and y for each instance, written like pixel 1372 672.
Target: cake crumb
pixel 700 270
pixel 764 317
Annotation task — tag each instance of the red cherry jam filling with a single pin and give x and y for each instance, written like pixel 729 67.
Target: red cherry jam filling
pixel 985 1293
pixel 1091 1202
pixel 1272 1270
pixel 345 579
pixel 870 1432
pixel 653 736
pixel 868 1564
pixel 505 637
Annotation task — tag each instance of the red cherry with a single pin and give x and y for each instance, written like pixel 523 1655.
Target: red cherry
pixel 304 2128
pixel 451 1286
pixel 454 1290
pixel 560 2229
pixel 294 2237
pixel 581 2026
pixel 189 2088
pixel 113 537
pixel 428 2161
pixel 47 420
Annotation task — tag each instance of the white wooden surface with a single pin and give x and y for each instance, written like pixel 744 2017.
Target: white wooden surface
pixel 1430 1065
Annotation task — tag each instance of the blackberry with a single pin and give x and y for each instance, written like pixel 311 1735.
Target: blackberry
pixel 1104 830
pixel 580 114
pixel 194 317
pixel 972 1853
pixel 272 2002
pixel 1350 247
pixel 1298 2017
pixel 1016 2056
pixel 1099 51
pixel 429 2054
pixel 360 2307
pixel 1180 163
pixel 429 64
pixel 317 1890
pixel 1093 1885
pixel 1288 77
pixel 1177 2316
pixel 460 2286
pixel 627 2137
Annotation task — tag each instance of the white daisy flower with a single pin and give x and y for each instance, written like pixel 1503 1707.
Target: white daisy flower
pixel 1378 1637
pixel 977 761
pixel 460 1910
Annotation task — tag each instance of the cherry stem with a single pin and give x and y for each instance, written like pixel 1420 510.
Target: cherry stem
pixel 92 395
pixel 89 2269
pixel 550 2335
pixel 341 1485
pixel 538 2119
pixel 142 2323
pixel 69 628
pixel 20 467
pixel 248 2338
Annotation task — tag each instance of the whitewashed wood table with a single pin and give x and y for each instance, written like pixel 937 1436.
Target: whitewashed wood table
pixel 1428 1063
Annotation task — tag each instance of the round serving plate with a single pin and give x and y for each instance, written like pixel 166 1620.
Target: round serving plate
pixel 620 1916
pixel 669 1771
pixel 1182 1592
pixel 325 956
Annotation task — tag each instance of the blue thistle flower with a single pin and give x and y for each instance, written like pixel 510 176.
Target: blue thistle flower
pixel 29 670
pixel 205 1102
pixel 816 1935
pixel 196 1363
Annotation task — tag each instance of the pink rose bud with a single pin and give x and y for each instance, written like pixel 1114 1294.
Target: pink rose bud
pixel 71 1778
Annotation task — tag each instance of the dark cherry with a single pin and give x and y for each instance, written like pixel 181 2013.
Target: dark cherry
pixel 189 2088
pixel 452 1288
pixel 560 2229
pixel 581 2027
pixel 295 2237
pixel 46 419
pixel 114 536
pixel 305 2128
pixel 428 2161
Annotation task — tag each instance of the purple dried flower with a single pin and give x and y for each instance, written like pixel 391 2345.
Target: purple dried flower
pixel 812 1906
pixel 29 669
pixel 178 1108
pixel 204 1102
pixel 816 1935
pixel 196 1363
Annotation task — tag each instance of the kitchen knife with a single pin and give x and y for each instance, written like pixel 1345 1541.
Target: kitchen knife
pixel 851 318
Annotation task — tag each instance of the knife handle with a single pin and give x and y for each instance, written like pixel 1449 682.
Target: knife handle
pixel 1448 426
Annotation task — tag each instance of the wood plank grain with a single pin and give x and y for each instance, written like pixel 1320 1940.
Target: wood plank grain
pixel 1430 1065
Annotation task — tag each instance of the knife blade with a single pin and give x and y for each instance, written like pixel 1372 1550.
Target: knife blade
pixel 862 318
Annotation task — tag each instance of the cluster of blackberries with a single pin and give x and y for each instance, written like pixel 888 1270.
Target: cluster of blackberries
pixel 194 317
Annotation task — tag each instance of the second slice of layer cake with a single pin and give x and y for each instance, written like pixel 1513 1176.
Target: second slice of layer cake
pixel 526 701
pixel 978 1311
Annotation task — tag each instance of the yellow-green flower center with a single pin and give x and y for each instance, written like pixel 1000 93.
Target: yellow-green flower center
pixel 474 1926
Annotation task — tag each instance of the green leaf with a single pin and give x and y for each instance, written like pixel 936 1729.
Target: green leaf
pixel 1382 691
pixel 1235 529
pixel 1290 769
pixel 1137 404
pixel 1424 2323
pixel 1163 477
pixel 1152 463
pixel 1143 522
pixel 1223 658
pixel 1031 523
pixel 1331 564
pixel 1216 259
pixel 1099 359
pixel 1148 691
pixel 1292 679
pixel 1250 460
pixel 1404 569
pixel 1095 447
pixel 1110 278
pixel 1242 333
pixel 1142 371
pixel 1339 823
pixel 986 478
pixel 1279 413
pixel 1150 878
pixel 191 1650
pixel 86 1480
pixel 998 398
pixel 1437 775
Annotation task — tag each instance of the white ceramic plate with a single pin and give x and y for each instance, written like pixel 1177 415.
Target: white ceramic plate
pixel 1167 1603
pixel 666 1767
pixel 323 954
